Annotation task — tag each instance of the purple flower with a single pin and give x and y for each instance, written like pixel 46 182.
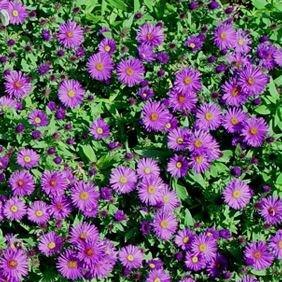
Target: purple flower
pixel 225 36
pixel 178 139
pixel 275 244
pixel 270 209
pixel 257 255
pixel 205 246
pixel 22 183
pixel 243 42
pixel 182 101
pixel 90 251
pixel 27 158
pixel 177 166
pixel 265 52
pixel 195 42
pixel 146 53
pixel 146 92
pixel 60 207
pixel 147 167
pixel 83 231
pixel 107 45
pixel 38 212
pixel 150 34
pixel 184 239
pixel 14 209
pixel 168 200
pixel 17 12
pixel 70 34
pixel 233 120
pixel 38 118
pixel 99 129
pixel 119 215
pixel 43 68
pixel 188 80
pixel 50 244
pixel 131 257
pixel 130 72
pixel 158 275
pixel 195 261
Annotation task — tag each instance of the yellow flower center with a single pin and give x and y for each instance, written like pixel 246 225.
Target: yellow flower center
pixel 70 34
pixel 83 235
pixel 37 120
pixel 13 208
pixel 179 164
pixel 251 81
pixel 71 93
pixel 72 264
pixel 53 182
pixel 151 265
pixel 15 13
pixel 27 159
pixel 166 199
pixel 147 170
pixel 99 67
pixel 18 84
pixel 84 196
pixel 234 92
pixel 12 263
pixel 157 279
pixel 123 180
pixel 208 116
pixel 107 48
pixel 99 130
pixel 236 194
pixel 280 244
pixel 151 189
pixel 187 80
pixel 257 255
pixel 130 258
pixel 198 143
pixel 195 259
pixel 39 213
pixel 234 121
pixel 154 117
pixel 202 247
pixel 164 224
pixel 185 240
pixel 192 45
pixel 199 159
pixel 179 140
pixel 181 99
pixel 168 125
pixel 51 245
pixel 253 130
pixel 223 35
pixel 129 71
pixel 241 41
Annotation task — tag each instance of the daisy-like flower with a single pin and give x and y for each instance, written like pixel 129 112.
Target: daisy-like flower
pixel 204 245
pixel 188 80
pixel 7 103
pixel 178 139
pixel 278 56
pixel 154 116
pixel 107 45
pixel 254 131
pixel 146 53
pixel 233 94
pixel 233 120
pixel 71 93
pixel 60 207
pixel 90 251
pixel 275 244
pixel 54 183
pixel 100 129
pixel 22 183
pixel 69 265
pixel 14 264
pixel 83 231
pixel 184 239
pixel 265 52
pixel 237 61
pixel 217 266
pixel 146 92
pixel 248 278
pixel 270 209
pixel 70 35
pixel 208 117
pixel 147 167
pixel 131 257
pixel 225 36
pixel 195 261
pixel 149 190
pixel 38 118
pixel 199 162
pixel 237 194
pixel 257 255
pixel 130 71
pixel 182 101
pixel 14 209
pixel 165 225
pixel 195 42
pixel 243 42
pixel 100 66
pixel 123 179
pixel 38 212
pixel 168 200
pixel 50 244
pixel 158 275
pixel 171 124
pixel 177 166
pixel 252 80
pixel 17 12
pixel 187 279
pixel 84 195
pixel 155 264
pixel 27 158
pixel 17 84
pixel 150 34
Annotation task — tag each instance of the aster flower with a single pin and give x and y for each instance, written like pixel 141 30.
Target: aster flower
pixel 188 80
pixel 155 264
pixel 14 209
pixel 184 239
pixel 107 45
pixel 100 66
pixel 164 225
pixel 195 42
pixel 248 278
pixel 278 56
pixel 233 94
pixel 149 190
pixel 83 231
pixel 158 275
pixel 233 120
pixel 275 244
pixel 69 265
pixel 22 183
pixel 237 194
pixel 146 53
pixel 147 167
pixel 243 42
pixel 168 200
pixel 195 261
pixel 225 36
pixel 178 138
pixel 14 264
pixel 265 52
pixel 171 123
pixel 130 71
pixel 123 179
pixel 154 116
pixel 7 103
pixel 208 117
pixel 237 61
pixel 70 34
pixel 27 158
pixel 84 195
pixel 38 118
pixel 60 207
pixel 217 266
pixel 150 34
pixel 131 257
pixel 188 279
pixel 146 92
pixel 90 251
pixel 71 93
pixel 252 80
pixel 17 84
pixel 204 245
pixel 270 208
pixel 99 129
pixel 177 166
pixel 199 162
pixel 257 255
pixel 17 12
pixel 53 183
pixel 254 131
pixel 38 212
pixel 182 101
pixel 50 244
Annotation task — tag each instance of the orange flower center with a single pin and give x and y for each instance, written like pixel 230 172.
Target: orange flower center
pixel 147 170
pixel 53 183
pixel 107 48
pixel 71 93
pixel 234 120
pixel 20 183
pixel 234 92
pixel 166 199
pixel 129 71
pixel 253 130
pixel 187 80
pixel 164 224
pixel 257 255
pixel 130 258
pixel 99 67
pixel 18 84
pixel 199 159
pixel 251 81
pixel 236 194
pixel 51 245
pixel 168 125
pixel 37 120
pixel 223 35
pixel 123 180
pixel 192 45
pixel 39 213
pixel 280 244
pixel 202 247
pixel 70 34
pixel 149 36
pixel 179 164
pixel 151 189
pixel 208 116
pixel 154 117
pixel 181 99
pixel 12 263
pixel 84 196
pixel 179 140
pixel 198 143
pixel 72 264
pixel 89 252
pixel 185 240
pixel 14 208
pixel 241 41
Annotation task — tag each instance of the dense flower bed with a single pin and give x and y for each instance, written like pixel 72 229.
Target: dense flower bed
pixel 140 141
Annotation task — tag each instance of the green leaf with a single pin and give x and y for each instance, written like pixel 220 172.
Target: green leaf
pixel 181 191
pixel 188 219
pixel 259 4
pixel 198 178
pixel 89 153
pixel 273 91
pixel 263 110
pixel 118 4
pixel 258 272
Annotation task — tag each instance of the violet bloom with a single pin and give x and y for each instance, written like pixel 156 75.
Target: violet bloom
pixel 80 232
pixel 188 79
pixel 60 207
pixel 50 244
pixel 146 53
pixel 178 139
pixel 146 92
pixel 158 275
pixel 147 167
pixel 22 183
pixel 17 12
pixel 130 72
pixel 199 162
pixel 195 42
pixel 131 257
pixel 195 261
pixel 38 118
pixel 38 212
pixel 205 246
pixel 270 208
pixel 243 42
pixel 7 103
pixel 107 45
pixel 233 120
pixel 70 34
pixel 177 166
pixel 150 34
pixel 71 93
pixel 27 158
pixel 100 66
pixel 14 209
pixel 182 101
pixel 275 244
pixel 265 52
pixel 184 239
pixel 168 200
pixel 225 36
pixel 257 255
pixel 99 129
